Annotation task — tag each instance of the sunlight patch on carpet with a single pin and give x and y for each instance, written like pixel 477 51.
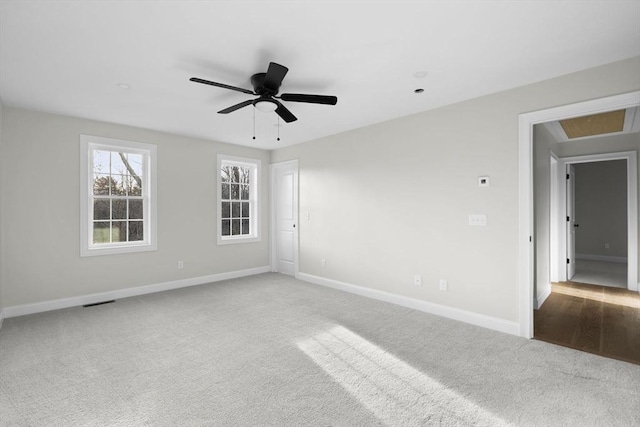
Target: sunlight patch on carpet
pixel 396 393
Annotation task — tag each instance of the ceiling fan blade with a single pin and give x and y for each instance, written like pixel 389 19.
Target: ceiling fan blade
pixel 236 107
pixel 284 113
pixel 274 76
pixel 207 82
pixel 313 99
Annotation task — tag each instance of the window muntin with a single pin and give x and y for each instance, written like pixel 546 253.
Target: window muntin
pixel 237 199
pixel 118 206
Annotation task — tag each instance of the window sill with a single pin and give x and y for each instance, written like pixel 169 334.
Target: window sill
pixel 236 240
pixel 113 250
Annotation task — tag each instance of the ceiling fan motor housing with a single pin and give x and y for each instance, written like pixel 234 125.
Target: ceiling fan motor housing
pixel 257 81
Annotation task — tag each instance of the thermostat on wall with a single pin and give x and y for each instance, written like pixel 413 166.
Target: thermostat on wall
pixel 483 181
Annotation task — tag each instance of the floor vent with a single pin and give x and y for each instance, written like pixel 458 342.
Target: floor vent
pixel 99 303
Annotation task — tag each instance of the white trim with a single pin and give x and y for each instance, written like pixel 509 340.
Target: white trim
pixel 272 212
pixel 543 297
pixel 605 258
pixel 87 248
pixel 255 198
pixel 482 320
pixel 1 318
pixel 632 209
pixel 39 307
pixel 526 122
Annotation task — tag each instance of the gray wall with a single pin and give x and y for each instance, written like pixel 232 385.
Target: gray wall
pixel 392 200
pixel 601 208
pixel 41 216
pixel 543 145
pixel 1 215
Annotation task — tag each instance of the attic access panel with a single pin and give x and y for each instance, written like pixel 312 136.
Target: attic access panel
pixel 595 124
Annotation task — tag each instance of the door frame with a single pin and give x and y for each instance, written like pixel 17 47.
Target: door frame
pixel 273 249
pixel 526 121
pixel 554 221
pixel 632 209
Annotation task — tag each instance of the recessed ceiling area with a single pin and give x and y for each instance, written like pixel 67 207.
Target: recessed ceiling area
pixel 129 62
pixel 595 125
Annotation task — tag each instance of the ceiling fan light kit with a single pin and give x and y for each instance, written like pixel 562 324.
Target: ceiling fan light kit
pixel 265 106
pixel 266 87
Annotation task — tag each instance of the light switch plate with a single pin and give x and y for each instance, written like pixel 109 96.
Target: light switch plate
pixel 478 220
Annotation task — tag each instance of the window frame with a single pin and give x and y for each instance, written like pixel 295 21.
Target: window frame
pixel 254 199
pixel 90 143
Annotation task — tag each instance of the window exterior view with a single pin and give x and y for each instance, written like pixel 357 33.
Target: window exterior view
pixel 237 199
pixel 118 196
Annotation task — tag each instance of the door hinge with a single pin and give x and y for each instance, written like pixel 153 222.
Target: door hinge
pixel 568 219
pixel 530 239
pixel 567 176
pixel 568 262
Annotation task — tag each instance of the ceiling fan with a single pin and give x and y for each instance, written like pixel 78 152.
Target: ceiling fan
pixel 266 87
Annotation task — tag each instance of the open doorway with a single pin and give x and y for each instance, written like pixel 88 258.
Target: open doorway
pixel 527 121
pixel 586 243
pixel 597 250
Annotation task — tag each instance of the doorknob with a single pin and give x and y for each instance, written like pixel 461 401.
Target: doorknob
pixel 294 226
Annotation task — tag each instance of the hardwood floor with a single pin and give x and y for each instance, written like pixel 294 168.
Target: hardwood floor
pixel 592 318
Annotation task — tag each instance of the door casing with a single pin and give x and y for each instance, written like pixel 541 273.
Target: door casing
pixel 632 210
pixel 526 121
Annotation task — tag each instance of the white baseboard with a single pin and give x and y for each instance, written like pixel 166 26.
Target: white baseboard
pixel 416 304
pixel 543 297
pixel 39 307
pixel 605 258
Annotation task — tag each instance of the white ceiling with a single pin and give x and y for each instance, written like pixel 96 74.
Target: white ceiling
pixel 68 57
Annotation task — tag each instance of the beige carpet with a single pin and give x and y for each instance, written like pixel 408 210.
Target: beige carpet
pixel 270 350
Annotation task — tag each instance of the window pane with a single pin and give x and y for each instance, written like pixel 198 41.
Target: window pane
pixel 136 231
pixel 244 192
pixel 118 186
pixel 235 210
pixel 101 209
pixel 101 185
pixel 226 227
pixel 101 161
pixel 225 191
pixel 117 165
pixel 119 209
pixel 119 231
pixel 244 175
pixel 134 185
pixel 235 191
pixel 226 210
pixel 245 209
pixel 101 232
pixel 245 226
pixel 225 173
pixel 135 162
pixel 135 209
pixel 235 227
pixel 235 174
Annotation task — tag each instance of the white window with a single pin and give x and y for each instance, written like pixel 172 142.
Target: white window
pixel 238 200
pixel 117 196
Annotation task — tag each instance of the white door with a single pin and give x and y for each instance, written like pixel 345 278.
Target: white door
pixel 571 222
pixel 284 179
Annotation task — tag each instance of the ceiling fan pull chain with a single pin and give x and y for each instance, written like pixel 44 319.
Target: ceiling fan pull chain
pixel 254 123
pixel 278 128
